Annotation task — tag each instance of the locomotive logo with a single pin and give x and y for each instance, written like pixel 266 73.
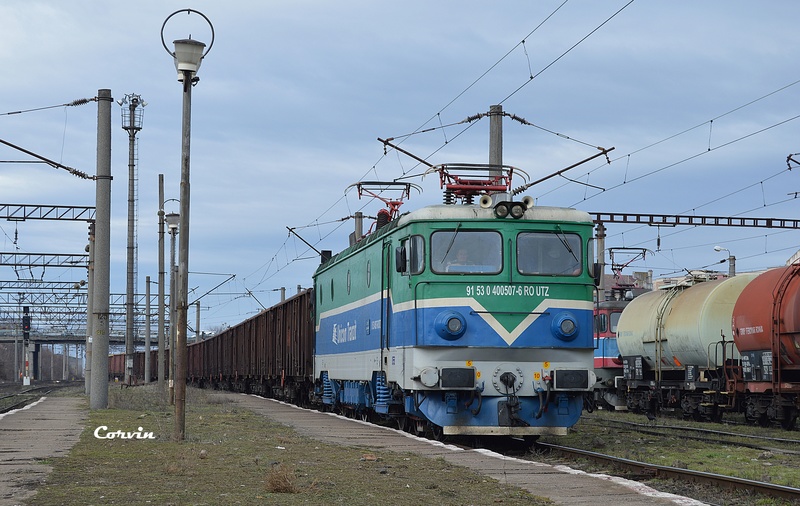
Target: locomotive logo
pixel 344 333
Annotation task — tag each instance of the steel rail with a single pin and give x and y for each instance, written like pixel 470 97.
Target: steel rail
pixel 718 480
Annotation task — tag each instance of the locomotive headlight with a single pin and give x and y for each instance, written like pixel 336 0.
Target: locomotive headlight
pixel 565 326
pixel 454 325
pixel 501 210
pixel 517 210
pixel 450 325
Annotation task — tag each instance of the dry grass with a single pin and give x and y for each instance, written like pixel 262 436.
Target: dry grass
pixel 281 480
pixel 232 456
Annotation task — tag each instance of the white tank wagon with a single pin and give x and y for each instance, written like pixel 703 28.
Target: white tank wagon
pixel 681 326
pixel 675 344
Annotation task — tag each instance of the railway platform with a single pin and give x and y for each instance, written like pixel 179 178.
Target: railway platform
pixel 559 483
pixel 48 428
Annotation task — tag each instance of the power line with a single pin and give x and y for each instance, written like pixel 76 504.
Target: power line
pixel 469 125
pixel 74 103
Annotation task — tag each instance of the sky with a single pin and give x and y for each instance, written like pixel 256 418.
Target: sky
pixel 700 100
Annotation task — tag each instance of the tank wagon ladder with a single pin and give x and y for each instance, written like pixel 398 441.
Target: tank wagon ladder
pixel 659 337
pixel 661 313
pixel 723 397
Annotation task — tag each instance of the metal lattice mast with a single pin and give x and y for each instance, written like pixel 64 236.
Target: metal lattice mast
pixel 132 114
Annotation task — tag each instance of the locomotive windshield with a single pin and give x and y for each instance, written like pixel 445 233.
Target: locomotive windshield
pixel 549 253
pixel 466 251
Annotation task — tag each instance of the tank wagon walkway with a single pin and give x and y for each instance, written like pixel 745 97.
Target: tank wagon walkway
pixel 47 428
pixel 561 484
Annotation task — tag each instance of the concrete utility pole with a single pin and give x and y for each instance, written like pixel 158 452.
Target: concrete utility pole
pixel 99 393
pixel 161 282
pixel 87 373
pixel 147 331
pixel 496 145
pixel 601 257
pixel 173 222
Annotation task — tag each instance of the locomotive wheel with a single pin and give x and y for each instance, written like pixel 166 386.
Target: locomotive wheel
pixel 437 433
pixel 402 422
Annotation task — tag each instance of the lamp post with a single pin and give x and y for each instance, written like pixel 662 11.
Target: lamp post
pixel 187 56
pixel 731 261
pixel 173 223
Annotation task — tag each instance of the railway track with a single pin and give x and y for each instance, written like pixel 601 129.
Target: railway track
pixel 654 470
pixel 20 399
pixel 708 435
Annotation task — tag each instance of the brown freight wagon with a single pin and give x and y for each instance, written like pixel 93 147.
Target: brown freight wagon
pixel 269 354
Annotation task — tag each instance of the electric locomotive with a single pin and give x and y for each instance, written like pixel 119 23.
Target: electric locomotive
pixel 471 319
pixel 607 360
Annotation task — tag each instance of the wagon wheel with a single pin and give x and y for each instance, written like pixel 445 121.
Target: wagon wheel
pixel 716 415
pixel 789 418
pixel 761 421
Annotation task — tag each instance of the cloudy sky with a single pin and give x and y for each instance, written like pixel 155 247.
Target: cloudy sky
pixel 699 100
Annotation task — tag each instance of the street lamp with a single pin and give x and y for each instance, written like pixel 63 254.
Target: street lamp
pixel 731 261
pixel 187 56
pixel 173 224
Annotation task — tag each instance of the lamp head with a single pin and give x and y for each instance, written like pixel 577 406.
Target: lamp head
pixel 188 56
pixel 172 219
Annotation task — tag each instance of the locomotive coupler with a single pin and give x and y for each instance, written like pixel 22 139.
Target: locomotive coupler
pixel 508 410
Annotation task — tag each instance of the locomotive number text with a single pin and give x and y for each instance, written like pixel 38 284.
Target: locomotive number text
pixel 508 290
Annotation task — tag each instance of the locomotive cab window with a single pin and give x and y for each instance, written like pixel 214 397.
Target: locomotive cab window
pixel 410 256
pixel 466 251
pixel 601 322
pixel 549 253
pixel 614 321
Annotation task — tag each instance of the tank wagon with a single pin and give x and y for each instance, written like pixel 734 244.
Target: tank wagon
pixel 709 348
pixel 455 319
pixel 766 330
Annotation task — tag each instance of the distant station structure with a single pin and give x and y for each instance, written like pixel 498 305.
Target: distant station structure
pixel 36 312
